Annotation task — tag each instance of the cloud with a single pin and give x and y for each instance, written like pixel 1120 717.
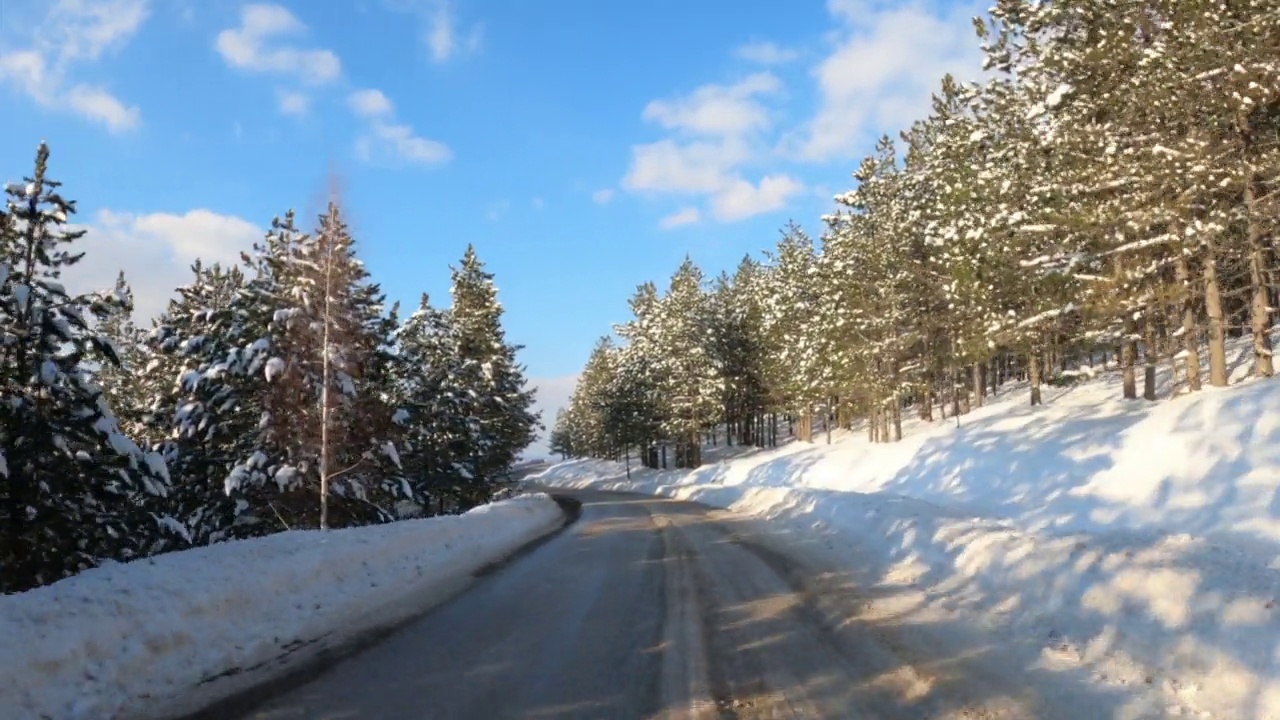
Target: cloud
pixel 538 203
pixel 386 141
pixel 155 251
pixel 552 394
pixel 765 53
pixel 293 102
pixel 685 167
pixel 881 73
pixel 370 103
pixel 602 196
pixel 441 33
pixel 257 46
pixel 717 109
pixel 716 130
pixel 742 200
pixel 76 33
pixel 686 216
pixel 443 36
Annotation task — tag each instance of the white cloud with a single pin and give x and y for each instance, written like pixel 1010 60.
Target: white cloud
pixel 156 251
pixel 256 46
pixel 685 167
pixel 76 32
pixel 95 103
pixel 444 38
pixel 766 53
pixel 552 395
pixel 370 103
pixel 741 199
pixel 293 102
pixel 716 131
pixel 387 142
pixel 717 109
pixel 686 216
pixel 391 143
pixel 602 196
pixel 881 73
pixel 538 203
pixel 442 35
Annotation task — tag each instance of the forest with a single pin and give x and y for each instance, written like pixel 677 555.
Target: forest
pixel 276 394
pixel 1105 196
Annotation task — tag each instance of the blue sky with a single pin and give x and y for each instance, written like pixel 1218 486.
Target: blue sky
pixel 583 146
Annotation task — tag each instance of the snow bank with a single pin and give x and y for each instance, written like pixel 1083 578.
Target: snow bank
pixel 168 635
pixel 1139 542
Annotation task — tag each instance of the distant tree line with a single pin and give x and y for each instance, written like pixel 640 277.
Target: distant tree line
pixel 278 393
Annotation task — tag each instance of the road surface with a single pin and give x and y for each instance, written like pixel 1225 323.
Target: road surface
pixel 649 608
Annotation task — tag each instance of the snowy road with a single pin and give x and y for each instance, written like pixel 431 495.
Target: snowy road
pixel 649 608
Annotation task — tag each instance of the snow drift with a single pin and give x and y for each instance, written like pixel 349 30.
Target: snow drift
pixel 165 636
pixel 1136 542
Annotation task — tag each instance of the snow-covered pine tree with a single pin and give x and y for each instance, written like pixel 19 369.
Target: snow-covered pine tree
pixel 793 338
pixel 431 408
pixel 498 399
pixel 204 386
pixel 74 489
pixel 319 435
pixel 121 384
pixel 685 366
pixel 641 364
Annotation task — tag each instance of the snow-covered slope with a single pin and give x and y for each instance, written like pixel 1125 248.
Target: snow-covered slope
pixel 165 636
pixel 1135 541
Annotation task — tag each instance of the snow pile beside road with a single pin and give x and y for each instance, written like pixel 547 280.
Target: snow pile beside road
pixel 1139 542
pixel 168 635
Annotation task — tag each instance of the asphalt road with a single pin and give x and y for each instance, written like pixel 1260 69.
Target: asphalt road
pixel 648 608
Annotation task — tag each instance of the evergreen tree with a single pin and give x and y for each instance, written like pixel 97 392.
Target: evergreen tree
pixel 74 489
pixel 121 383
pixel 496 398
pixel 204 384
pixel 431 408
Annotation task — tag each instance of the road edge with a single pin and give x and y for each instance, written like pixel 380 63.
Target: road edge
pixel 244 701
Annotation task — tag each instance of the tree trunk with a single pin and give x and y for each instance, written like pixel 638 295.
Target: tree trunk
pixel 1259 308
pixel 1213 308
pixel 979 384
pixel 1149 354
pixel 897 417
pixel 1190 330
pixel 1129 355
pixel 1033 371
pixel 953 379
pixel 324 392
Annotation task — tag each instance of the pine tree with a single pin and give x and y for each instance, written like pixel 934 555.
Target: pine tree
pixel 323 432
pixel 497 399
pixel 120 383
pixel 204 383
pixel 432 407
pixel 74 489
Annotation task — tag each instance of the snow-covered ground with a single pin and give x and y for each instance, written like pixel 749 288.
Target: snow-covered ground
pixel 1135 542
pixel 166 636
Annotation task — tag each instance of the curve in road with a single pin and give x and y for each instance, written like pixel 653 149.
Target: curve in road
pixel 649 608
